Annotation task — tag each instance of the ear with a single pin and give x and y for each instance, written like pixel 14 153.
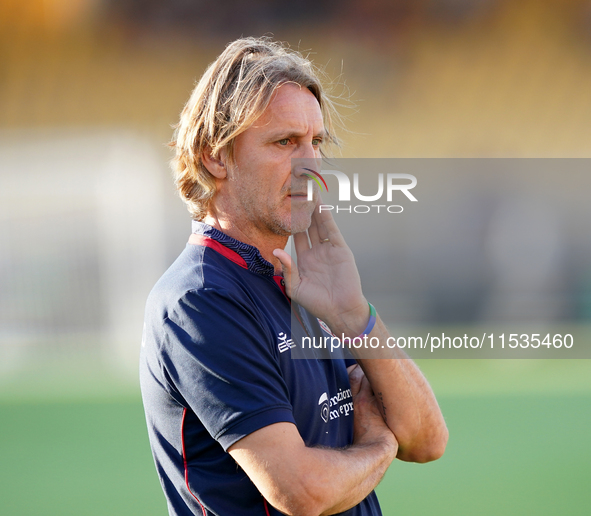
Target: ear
pixel 216 166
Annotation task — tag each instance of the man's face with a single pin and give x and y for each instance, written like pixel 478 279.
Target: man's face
pixel 260 193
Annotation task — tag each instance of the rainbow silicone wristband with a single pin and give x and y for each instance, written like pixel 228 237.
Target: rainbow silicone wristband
pixel 371 323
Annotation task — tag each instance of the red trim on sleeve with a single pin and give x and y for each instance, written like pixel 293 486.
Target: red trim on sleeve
pixel 266 507
pixel 185 462
pixel 233 256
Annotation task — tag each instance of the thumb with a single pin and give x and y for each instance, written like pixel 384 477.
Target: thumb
pixel 355 377
pixel 290 271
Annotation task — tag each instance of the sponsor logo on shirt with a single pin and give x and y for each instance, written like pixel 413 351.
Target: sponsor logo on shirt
pixel 285 344
pixel 340 405
pixel 323 402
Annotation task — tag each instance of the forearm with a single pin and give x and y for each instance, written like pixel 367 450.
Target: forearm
pixel 407 403
pixel 327 284
pixel 310 481
pixel 404 396
pixel 343 478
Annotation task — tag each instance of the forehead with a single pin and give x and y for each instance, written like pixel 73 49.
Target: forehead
pixel 293 108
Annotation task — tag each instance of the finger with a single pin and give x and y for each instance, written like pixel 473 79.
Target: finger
pixel 355 376
pixel 321 232
pixel 365 387
pixel 327 227
pixel 301 243
pixel 290 271
pixel 313 229
pixel 313 233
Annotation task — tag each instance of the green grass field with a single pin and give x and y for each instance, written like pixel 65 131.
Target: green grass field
pixel 519 445
pixel 507 455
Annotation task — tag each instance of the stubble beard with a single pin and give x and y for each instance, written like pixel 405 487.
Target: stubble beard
pixel 272 220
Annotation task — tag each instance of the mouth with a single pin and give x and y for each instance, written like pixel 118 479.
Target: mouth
pixel 298 200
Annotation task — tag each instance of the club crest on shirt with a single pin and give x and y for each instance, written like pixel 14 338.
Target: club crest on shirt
pixel 325 327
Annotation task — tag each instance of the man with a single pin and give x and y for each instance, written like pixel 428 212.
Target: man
pixel 238 427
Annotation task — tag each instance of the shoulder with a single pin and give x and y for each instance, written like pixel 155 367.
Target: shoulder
pixel 204 298
pixel 197 275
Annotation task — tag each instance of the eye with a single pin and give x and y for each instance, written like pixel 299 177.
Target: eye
pixel 283 142
pixel 316 142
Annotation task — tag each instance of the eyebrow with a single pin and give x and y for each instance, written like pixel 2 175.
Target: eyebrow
pixel 280 135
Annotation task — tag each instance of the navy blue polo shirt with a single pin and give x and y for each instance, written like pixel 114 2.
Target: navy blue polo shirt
pixel 216 366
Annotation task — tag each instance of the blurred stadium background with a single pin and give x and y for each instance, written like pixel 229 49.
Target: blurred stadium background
pixel 89 220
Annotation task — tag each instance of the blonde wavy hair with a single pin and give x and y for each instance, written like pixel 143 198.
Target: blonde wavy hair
pixel 231 95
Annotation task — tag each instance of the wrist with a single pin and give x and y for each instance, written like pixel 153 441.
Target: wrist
pixel 390 443
pixel 383 440
pixel 357 322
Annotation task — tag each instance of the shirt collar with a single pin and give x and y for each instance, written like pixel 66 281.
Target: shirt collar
pixel 251 255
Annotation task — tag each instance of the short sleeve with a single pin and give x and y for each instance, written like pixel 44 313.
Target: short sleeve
pixel 218 352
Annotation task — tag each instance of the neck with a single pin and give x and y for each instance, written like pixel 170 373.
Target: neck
pixel 265 241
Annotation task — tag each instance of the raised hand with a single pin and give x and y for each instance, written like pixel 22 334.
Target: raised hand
pixel 326 281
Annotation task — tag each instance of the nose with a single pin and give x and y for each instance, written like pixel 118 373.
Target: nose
pixel 303 167
pixel 308 151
